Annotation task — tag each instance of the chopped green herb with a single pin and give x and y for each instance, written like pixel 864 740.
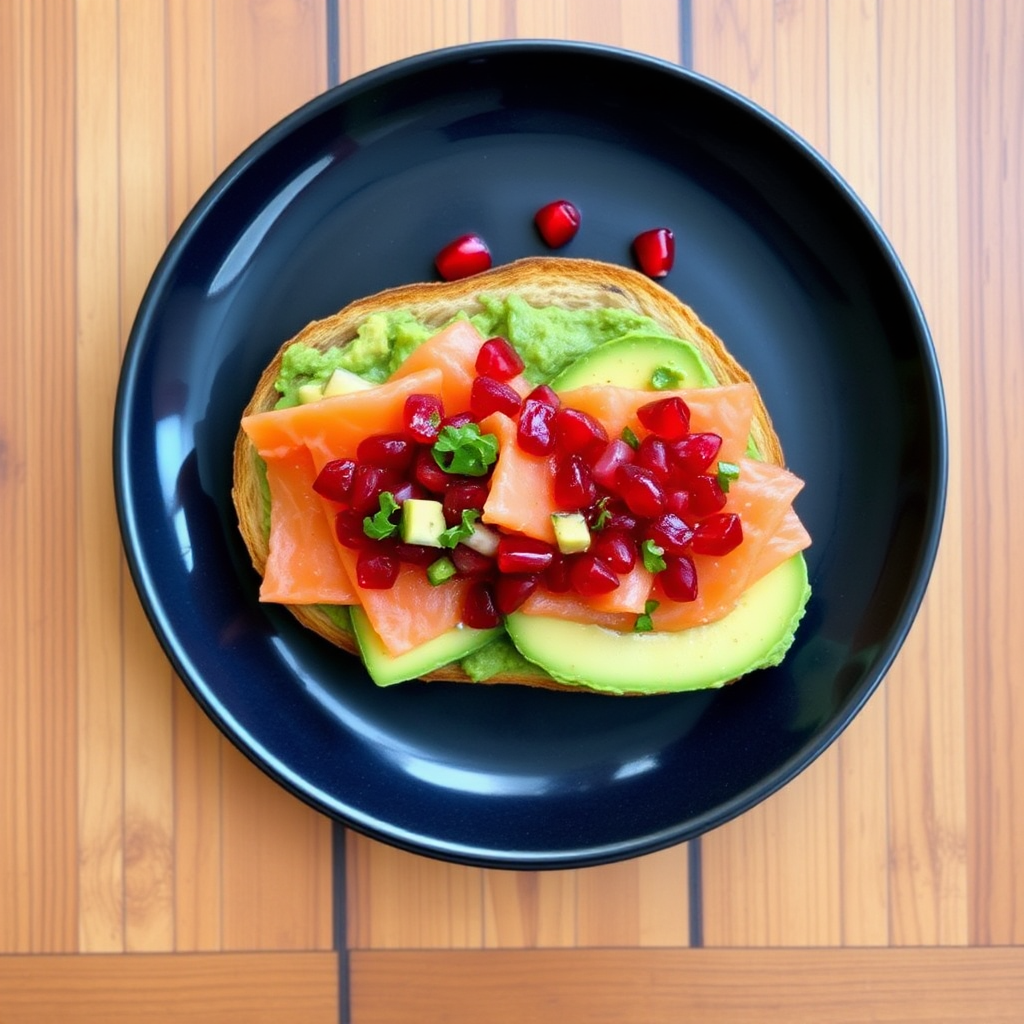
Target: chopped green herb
pixel 644 623
pixel 379 525
pixel 630 438
pixel 440 571
pixel 653 556
pixel 603 514
pixel 464 450
pixel 727 472
pixel 664 378
pixel 450 537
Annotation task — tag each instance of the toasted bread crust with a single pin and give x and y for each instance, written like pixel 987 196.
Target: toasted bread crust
pixel 540 281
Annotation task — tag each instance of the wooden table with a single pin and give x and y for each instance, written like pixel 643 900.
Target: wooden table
pixel 149 872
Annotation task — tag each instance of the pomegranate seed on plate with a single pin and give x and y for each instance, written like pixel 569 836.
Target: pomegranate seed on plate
pixel 558 222
pixel 427 473
pixel 388 451
pixel 640 490
pixel 671 533
pixel 577 432
pixel 471 563
pixel 706 495
pixel 416 554
pixel 574 486
pixel 368 483
pixel 458 419
pixel 590 576
pixel 556 576
pixel 616 453
pixel 679 578
pixel 348 526
pixel 535 432
pixel 479 610
pixel 678 502
pixel 615 548
pixel 463 257
pixel 460 498
pixel 669 418
pixel 422 416
pixel 406 489
pixel 718 534
pixel 655 251
pixel 511 591
pixel 695 451
pixel 523 554
pixel 376 571
pixel 334 481
pixel 498 359
pixel 488 395
pixel 545 394
pixel 653 454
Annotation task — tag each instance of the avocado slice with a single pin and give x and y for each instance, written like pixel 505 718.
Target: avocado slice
pixel 448 647
pixel 756 634
pixel 640 361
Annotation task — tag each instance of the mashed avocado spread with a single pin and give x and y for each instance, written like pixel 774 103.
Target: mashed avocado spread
pixel 548 339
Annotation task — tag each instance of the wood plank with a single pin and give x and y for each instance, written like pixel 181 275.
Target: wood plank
pixel 741 986
pixel 854 150
pixel 925 691
pixel 38 625
pixel 732 43
pixel 221 988
pixel 100 765
pixel 529 909
pixel 990 66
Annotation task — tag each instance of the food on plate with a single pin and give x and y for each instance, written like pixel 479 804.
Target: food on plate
pixel 655 251
pixel 549 474
pixel 557 222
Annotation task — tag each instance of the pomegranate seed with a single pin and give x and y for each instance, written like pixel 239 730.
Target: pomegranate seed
pixel 620 518
pixel 669 418
pixel 671 533
pixel 574 486
pixel 388 451
pixel 422 416
pixel 471 563
pixel 368 483
pixel 577 432
pixel 523 554
pixel 557 222
pixel 463 257
pixel 376 571
pixel 706 495
pixel 545 394
pixel 407 489
pixel 334 481
pixel 640 490
pixel 460 498
pixel 616 548
pixel 414 554
pixel 498 359
pixel 679 578
pixel 655 251
pixel 718 534
pixel 616 453
pixel 348 526
pixel 653 454
pixel 591 576
pixel 678 502
pixel 695 452
pixel 511 591
pixel 428 474
pixel 535 430
pixel 479 610
pixel 489 395
pixel 458 419
pixel 556 576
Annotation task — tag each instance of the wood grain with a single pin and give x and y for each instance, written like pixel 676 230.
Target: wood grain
pixel 225 988
pixel 736 986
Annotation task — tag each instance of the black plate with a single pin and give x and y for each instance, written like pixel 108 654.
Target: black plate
pixel 357 191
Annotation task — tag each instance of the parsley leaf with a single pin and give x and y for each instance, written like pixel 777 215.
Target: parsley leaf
pixel 644 623
pixel 464 450
pixel 379 525
pixel 450 537
pixel 727 472
pixel 664 378
pixel 603 514
pixel 652 555
pixel 630 438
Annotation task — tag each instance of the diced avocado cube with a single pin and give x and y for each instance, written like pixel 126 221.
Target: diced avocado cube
pixel 310 393
pixel 440 571
pixel 571 532
pixel 343 382
pixel 423 522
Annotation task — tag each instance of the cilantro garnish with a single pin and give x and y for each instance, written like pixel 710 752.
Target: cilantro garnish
pixel 727 472
pixel 464 450
pixel 653 556
pixel 644 623
pixel 379 525
pixel 450 537
pixel 603 514
pixel 630 438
